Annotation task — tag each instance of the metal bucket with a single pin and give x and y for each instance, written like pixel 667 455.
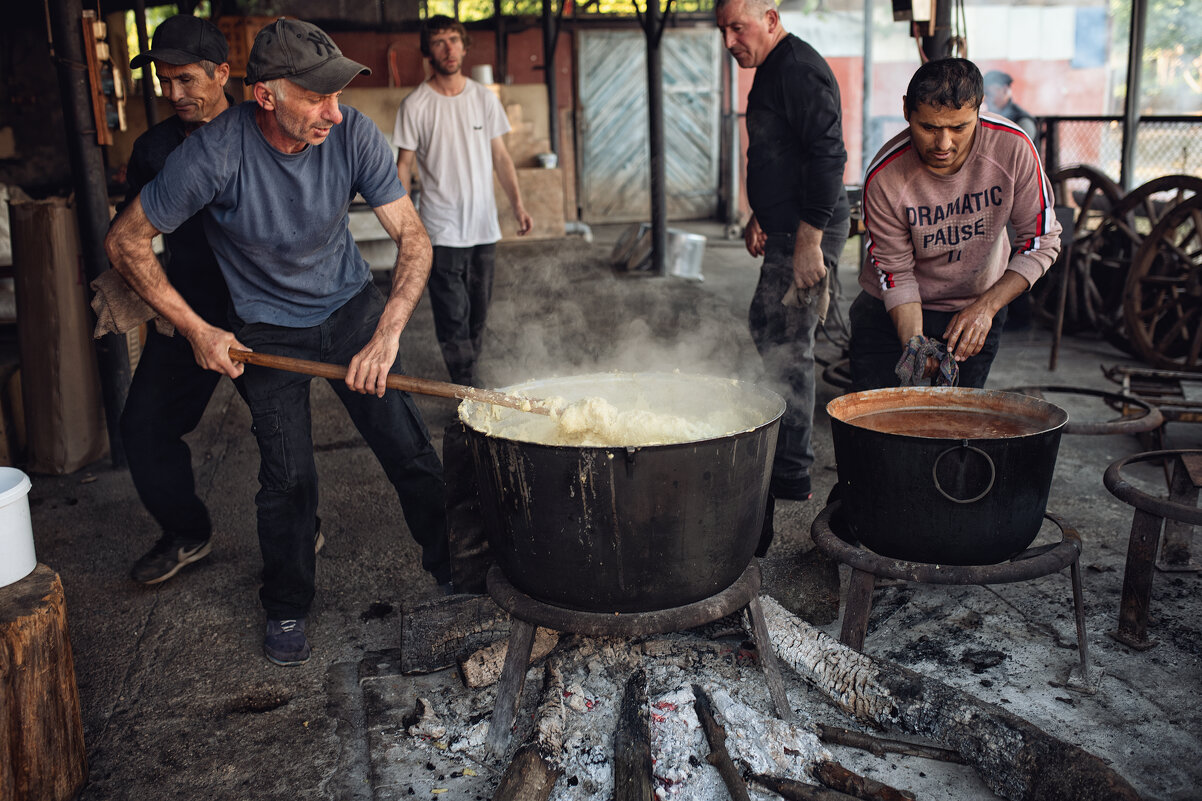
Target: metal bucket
pixel 629 529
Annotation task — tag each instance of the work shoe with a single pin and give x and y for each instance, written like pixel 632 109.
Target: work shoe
pixel 166 558
pixel 285 642
pixel 793 489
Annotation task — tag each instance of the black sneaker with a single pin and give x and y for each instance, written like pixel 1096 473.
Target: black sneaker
pixel 166 558
pixel 285 642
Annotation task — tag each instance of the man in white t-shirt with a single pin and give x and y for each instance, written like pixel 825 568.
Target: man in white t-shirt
pixel 454 127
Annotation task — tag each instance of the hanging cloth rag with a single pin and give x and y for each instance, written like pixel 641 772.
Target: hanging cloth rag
pixel 913 363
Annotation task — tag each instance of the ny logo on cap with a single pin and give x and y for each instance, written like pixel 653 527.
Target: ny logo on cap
pixel 322 44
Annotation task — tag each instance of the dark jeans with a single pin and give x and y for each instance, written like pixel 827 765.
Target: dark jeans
pixel 166 400
pixel 281 421
pixel 875 349
pixel 460 290
pixel 784 336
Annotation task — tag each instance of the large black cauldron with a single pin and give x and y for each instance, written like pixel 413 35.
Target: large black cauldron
pixel 630 529
pixel 964 482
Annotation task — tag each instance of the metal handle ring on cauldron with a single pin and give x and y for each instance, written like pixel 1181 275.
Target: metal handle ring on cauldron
pixel 963 446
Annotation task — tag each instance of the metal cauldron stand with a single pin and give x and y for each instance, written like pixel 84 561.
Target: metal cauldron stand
pixel 1031 563
pixel 528 613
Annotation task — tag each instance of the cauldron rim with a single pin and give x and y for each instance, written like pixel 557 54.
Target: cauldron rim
pixel 770 416
pixel 1055 417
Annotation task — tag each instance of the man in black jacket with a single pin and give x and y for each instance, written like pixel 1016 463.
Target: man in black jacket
pixel 799 222
pixel 170 390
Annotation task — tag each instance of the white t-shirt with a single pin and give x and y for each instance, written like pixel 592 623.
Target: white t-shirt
pixel 452 138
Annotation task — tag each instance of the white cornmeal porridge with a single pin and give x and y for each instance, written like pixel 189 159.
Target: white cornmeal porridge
pixel 637 418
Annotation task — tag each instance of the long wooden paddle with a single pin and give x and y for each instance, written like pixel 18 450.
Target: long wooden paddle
pixel 406 383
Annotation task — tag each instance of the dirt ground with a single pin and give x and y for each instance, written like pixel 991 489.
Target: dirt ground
pixel 178 700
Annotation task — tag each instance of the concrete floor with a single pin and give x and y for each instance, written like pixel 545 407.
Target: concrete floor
pixel 179 702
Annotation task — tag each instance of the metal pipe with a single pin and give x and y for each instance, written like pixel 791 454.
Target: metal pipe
pixel 1135 68
pixel 148 98
pixel 91 199
pixel 734 154
pixel 655 118
pixel 867 150
pixel 550 37
pixel 502 44
pixel 935 46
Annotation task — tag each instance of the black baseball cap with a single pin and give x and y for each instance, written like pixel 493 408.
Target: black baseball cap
pixel 184 39
pixel 997 78
pixel 302 53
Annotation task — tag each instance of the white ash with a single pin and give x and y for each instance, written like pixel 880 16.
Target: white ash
pixel 592 673
pixel 428 724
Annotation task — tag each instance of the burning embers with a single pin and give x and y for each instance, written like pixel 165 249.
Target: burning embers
pixel 579 712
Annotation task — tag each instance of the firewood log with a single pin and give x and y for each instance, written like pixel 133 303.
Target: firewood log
pixel 633 777
pixel 531 776
pixel 837 777
pixel 42 754
pixel 484 667
pixel 1015 758
pixel 718 756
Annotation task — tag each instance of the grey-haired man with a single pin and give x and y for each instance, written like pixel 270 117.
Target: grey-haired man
pixel 170 390
pixel 276 176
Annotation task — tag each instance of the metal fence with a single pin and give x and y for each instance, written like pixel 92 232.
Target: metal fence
pixel 1164 145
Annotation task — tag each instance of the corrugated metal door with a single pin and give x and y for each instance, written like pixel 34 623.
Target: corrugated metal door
pixel 615 174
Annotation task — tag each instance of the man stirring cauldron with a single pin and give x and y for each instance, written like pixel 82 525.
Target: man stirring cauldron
pixel 800 218
pixel 940 269
pixel 276 176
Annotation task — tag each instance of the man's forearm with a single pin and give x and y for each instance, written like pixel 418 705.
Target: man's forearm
pixel 130 252
pixel 907 319
pixel 415 256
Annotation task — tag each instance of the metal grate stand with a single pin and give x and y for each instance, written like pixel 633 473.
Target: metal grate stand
pixel 529 613
pixel 1032 563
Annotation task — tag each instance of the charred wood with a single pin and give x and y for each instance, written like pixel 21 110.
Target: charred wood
pixel 436 634
pixel 1015 758
pixel 719 757
pixel 837 777
pixel 484 667
pixel 885 745
pixel 633 778
pixel 530 776
pixel 793 790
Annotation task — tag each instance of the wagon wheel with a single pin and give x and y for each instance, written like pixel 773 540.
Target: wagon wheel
pixel 1106 254
pixel 1091 195
pixel 1163 309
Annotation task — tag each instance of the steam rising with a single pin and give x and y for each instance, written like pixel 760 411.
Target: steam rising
pixel 569 314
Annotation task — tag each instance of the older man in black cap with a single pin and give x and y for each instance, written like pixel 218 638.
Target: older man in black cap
pixel 276 177
pixel 170 390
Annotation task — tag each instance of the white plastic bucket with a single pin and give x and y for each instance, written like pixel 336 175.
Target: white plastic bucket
pixel 17 559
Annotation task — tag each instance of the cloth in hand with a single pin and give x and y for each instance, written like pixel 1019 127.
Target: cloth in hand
pixel 119 309
pixel 818 296
pixel 913 363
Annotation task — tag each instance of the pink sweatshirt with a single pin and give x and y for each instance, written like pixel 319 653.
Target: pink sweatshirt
pixel 941 239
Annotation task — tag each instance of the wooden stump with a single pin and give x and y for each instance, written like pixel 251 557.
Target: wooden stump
pixel 42 755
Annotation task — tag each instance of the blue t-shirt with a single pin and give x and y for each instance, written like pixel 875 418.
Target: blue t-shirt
pixel 278 221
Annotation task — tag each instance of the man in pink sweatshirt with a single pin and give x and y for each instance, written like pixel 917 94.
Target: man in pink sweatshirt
pixel 937 198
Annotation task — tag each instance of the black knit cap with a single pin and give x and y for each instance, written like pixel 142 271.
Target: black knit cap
pixel 184 39
pixel 302 53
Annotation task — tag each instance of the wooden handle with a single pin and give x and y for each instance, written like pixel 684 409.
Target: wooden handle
pixel 405 383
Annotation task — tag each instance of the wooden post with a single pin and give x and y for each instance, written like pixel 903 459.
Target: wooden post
pixel 42 756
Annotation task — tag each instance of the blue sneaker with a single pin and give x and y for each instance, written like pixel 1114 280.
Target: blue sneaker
pixel 285 642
